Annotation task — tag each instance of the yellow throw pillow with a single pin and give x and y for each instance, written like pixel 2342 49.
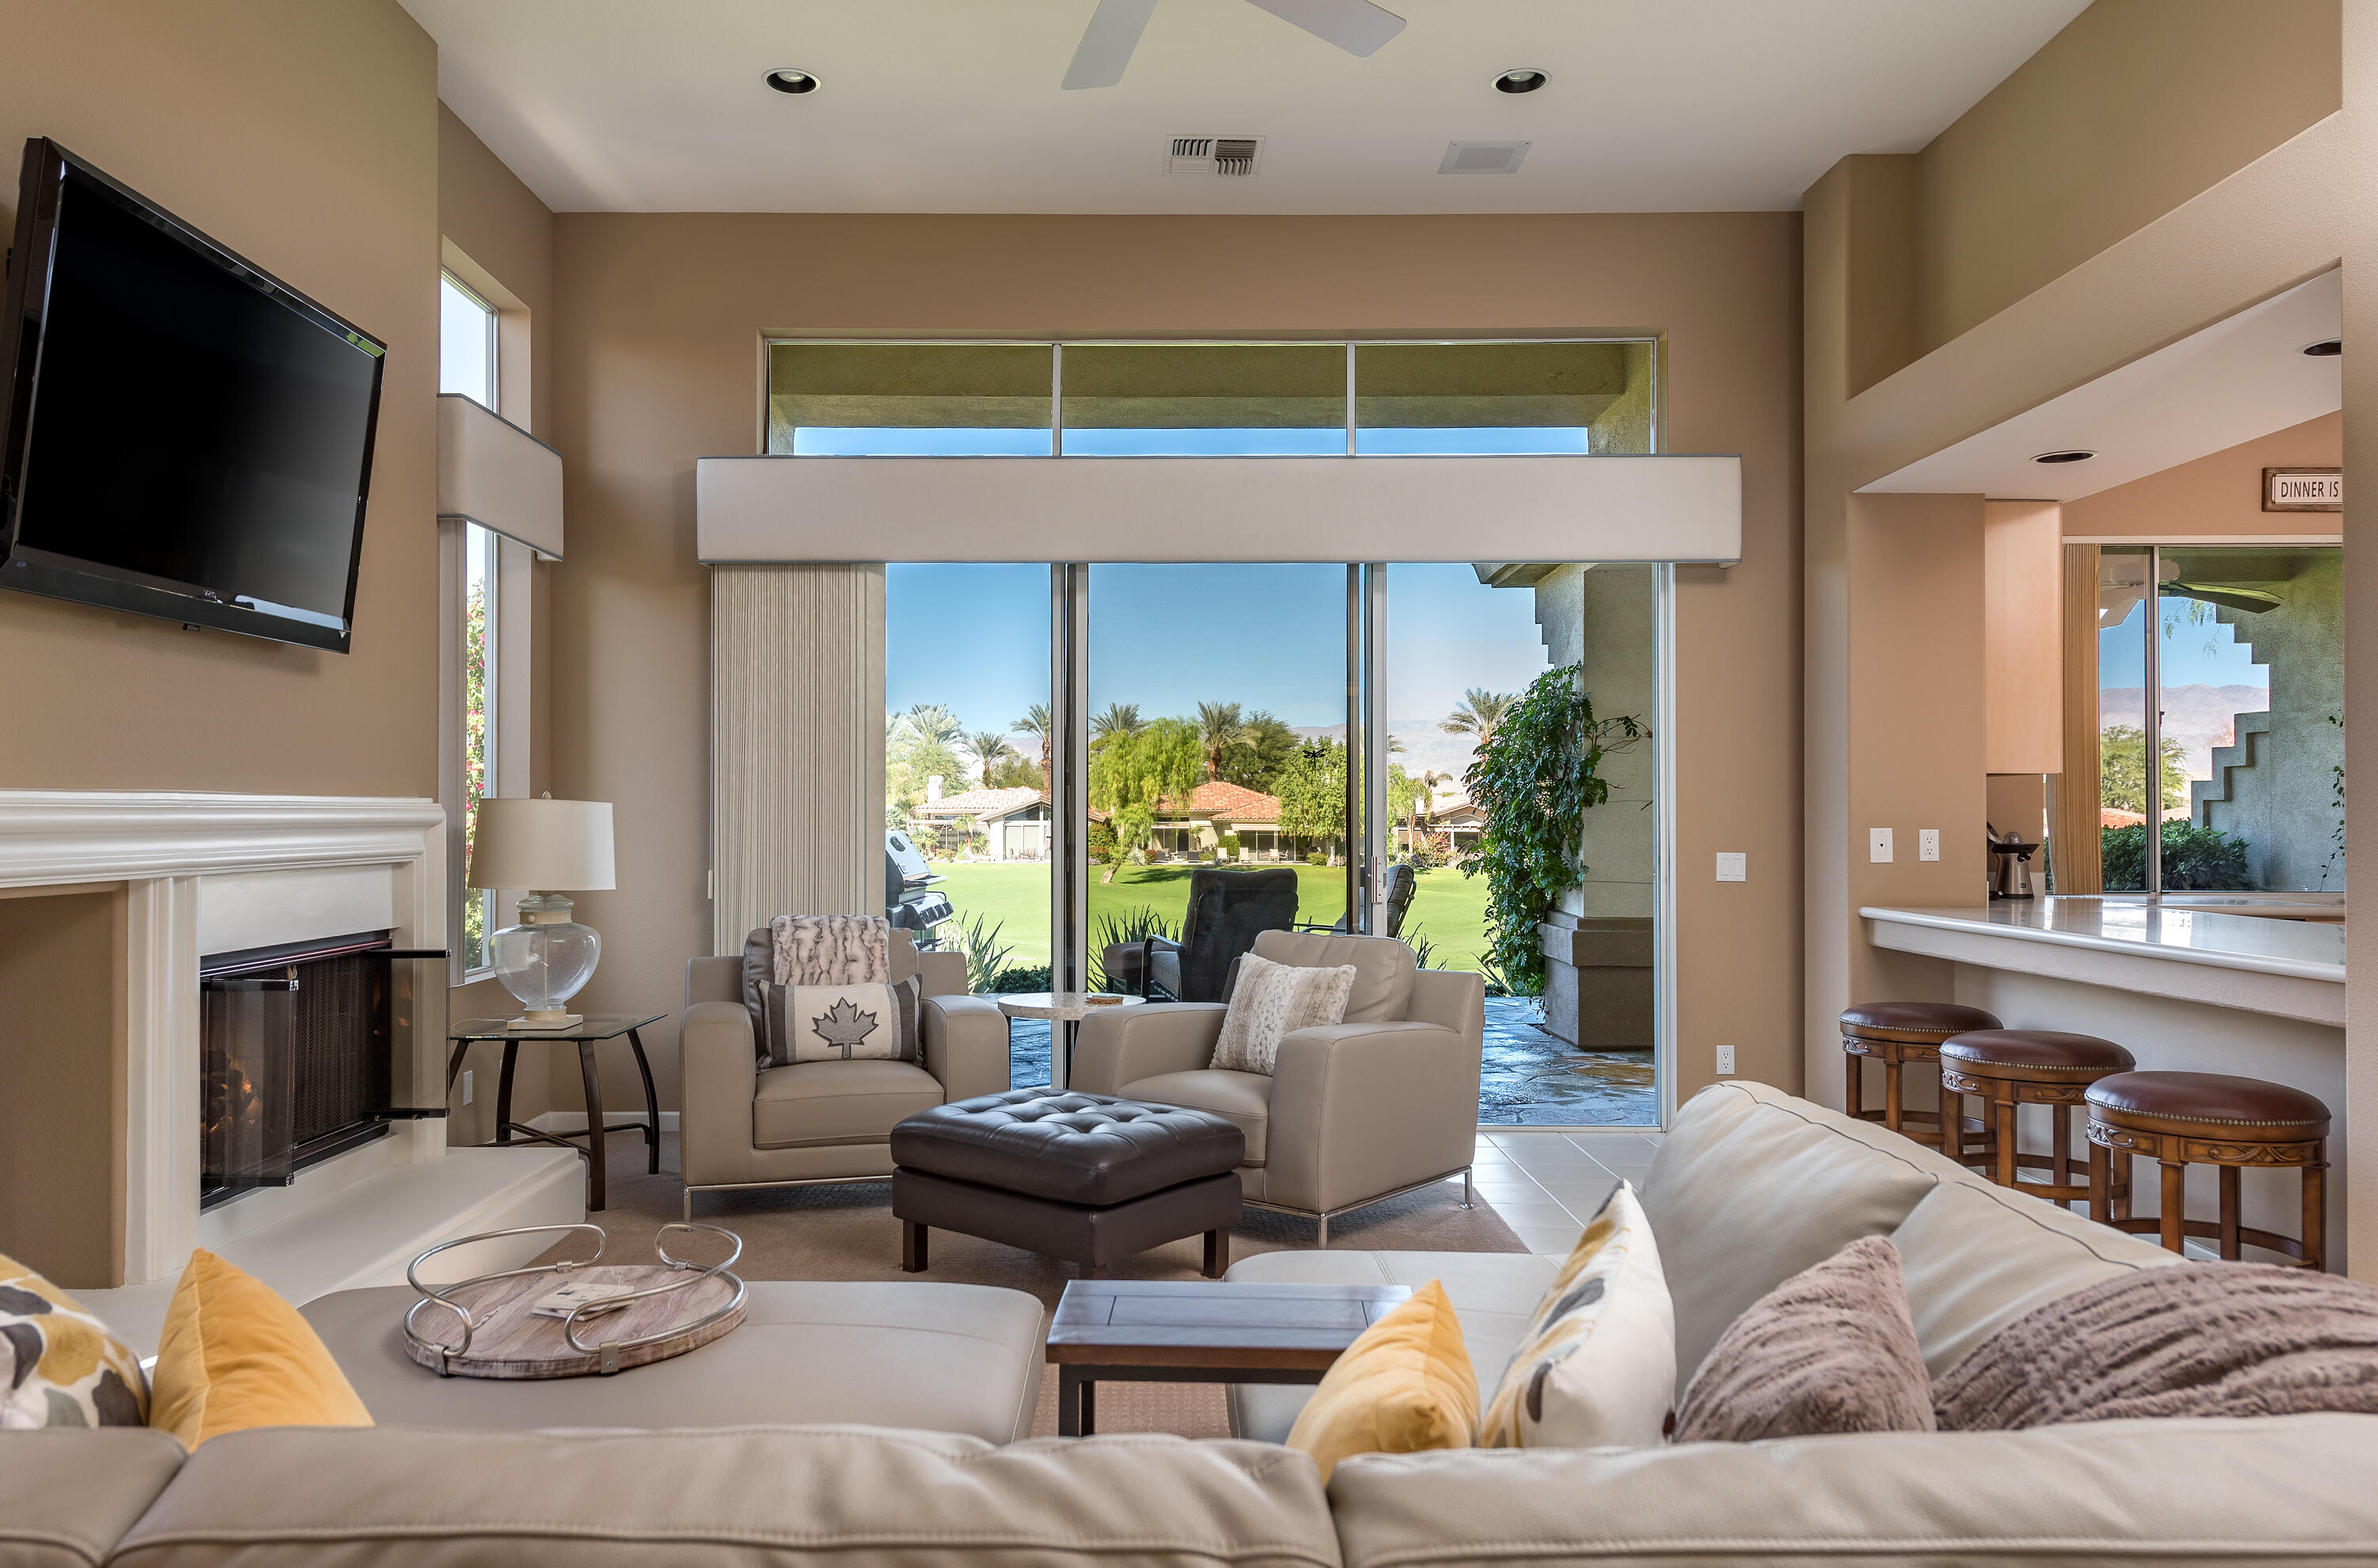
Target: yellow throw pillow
pixel 1404 1384
pixel 1598 1368
pixel 59 1367
pixel 234 1355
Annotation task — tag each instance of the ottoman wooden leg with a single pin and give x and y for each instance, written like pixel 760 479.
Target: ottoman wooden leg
pixel 1217 1251
pixel 912 1246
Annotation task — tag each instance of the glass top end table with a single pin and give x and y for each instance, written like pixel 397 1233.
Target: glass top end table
pixel 586 1033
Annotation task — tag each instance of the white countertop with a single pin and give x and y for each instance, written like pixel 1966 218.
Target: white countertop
pixel 2306 949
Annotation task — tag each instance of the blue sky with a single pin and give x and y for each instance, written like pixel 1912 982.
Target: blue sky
pixel 975 639
pixel 2205 653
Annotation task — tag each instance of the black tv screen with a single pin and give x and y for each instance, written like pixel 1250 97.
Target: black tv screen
pixel 185 436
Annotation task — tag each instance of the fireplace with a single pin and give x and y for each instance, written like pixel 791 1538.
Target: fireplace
pixel 301 1048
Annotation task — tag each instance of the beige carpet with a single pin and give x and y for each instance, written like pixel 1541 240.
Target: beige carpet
pixel 847 1233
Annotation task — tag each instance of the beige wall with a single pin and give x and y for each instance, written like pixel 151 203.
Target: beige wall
pixel 499 238
pixel 661 319
pixel 304 136
pixel 2217 495
pixel 63 1072
pixel 2360 174
pixel 2133 108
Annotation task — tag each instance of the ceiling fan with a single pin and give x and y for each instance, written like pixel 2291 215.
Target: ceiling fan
pixel 1356 26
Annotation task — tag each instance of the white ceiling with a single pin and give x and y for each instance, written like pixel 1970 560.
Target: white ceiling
pixel 954 105
pixel 2242 378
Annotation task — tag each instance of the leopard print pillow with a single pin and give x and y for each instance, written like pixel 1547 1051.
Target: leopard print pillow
pixel 59 1367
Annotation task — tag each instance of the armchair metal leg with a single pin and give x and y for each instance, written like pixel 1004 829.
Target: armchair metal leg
pixel 1325 1233
pixel 688 1205
pixel 1468 1189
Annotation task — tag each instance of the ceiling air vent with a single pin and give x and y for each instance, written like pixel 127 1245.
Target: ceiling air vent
pixel 1233 157
pixel 1482 157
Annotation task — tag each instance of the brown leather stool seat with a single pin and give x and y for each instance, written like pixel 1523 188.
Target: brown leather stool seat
pixel 1897 1033
pixel 2012 1068
pixel 2208 1118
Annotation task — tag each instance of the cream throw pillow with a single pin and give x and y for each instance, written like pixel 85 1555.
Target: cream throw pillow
pixel 1270 1000
pixel 1598 1368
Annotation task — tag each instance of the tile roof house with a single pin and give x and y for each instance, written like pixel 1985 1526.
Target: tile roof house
pixel 1014 821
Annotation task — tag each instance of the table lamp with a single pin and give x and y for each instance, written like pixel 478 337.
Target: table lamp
pixel 555 847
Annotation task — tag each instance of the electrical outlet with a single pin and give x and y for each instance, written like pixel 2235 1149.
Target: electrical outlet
pixel 470 1090
pixel 1877 841
pixel 1928 843
pixel 1725 1061
pixel 1732 866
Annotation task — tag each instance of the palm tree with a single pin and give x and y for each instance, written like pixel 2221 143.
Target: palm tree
pixel 1120 718
pixel 932 724
pixel 1426 799
pixel 1219 724
pixel 1039 722
pixel 988 748
pixel 1480 712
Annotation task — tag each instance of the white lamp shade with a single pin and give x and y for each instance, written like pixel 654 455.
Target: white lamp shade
pixel 543 845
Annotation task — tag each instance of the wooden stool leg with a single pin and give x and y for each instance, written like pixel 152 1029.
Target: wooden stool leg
pixel 2123 1189
pixel 2315 1214
pixel 2062 1155
pixel 1951 1127
pixel 2101 1184
pixel 2229 1247
pixel 2175 1196
pixel 2006 1119
pixel 1856 1087
pixel 1891 1097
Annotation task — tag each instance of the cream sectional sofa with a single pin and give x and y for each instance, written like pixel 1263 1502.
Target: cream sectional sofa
pixel 1750 1185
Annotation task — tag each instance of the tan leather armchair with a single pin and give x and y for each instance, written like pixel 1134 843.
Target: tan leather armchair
pixel 743 1124
pixel 1354 1112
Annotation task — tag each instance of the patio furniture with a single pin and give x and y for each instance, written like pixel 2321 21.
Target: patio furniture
pixel 1227 911
pixel 745 1124
pixel 1401 883
pixel 1086 1177
pixel 1354 1112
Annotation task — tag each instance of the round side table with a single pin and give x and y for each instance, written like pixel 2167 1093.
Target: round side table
pixel 1065 1011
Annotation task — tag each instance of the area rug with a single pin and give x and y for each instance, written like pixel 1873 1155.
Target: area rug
pixel 847 1233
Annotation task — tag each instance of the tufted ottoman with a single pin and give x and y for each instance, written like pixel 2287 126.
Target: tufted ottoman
pixel 1086 1177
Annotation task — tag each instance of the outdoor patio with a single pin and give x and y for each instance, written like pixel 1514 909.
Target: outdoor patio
pixel 1531 1079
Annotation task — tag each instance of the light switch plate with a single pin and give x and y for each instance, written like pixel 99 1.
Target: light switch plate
pixel 1725 1061
pixel 1877 845
pixel 1732 866
pixel 1928 843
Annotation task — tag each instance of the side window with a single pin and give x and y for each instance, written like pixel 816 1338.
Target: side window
pixel 466 364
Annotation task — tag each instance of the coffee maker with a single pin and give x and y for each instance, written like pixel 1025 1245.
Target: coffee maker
pixel 2010 877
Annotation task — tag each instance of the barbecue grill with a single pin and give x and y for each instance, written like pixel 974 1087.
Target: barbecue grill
pixel 909 895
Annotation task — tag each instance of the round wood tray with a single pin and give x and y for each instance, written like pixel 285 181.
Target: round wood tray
pixel 507 1337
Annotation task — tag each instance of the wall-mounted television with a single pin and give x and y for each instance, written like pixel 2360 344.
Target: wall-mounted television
pixel 180 434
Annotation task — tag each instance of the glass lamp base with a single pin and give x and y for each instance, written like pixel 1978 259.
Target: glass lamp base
pixel 545 961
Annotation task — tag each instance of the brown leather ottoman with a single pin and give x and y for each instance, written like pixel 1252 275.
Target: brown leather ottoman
pixel 1086 1177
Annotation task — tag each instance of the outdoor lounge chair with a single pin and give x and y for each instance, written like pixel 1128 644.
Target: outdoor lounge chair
pixel 1227 911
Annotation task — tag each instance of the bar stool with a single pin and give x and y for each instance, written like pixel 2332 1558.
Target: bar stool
pixel 2209 1118
pixel 2012 1068
pixel 1896 1034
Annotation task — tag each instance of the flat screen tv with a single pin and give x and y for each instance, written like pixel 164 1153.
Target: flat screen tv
pixel 185 436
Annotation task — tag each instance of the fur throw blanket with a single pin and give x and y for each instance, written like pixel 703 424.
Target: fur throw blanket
pixel 832 949
pixel 2192 1339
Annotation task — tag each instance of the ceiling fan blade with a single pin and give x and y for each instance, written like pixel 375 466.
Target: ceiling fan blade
pixel 1107 44
pixel 1356 26
pixel 2252 601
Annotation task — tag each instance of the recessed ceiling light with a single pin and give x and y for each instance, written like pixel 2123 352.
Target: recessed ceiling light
pixel 787 79
pixel 2075 455
pixel 2326 348
pixel 1522 79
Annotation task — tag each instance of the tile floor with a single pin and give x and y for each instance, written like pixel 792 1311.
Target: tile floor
pixel 1546 1184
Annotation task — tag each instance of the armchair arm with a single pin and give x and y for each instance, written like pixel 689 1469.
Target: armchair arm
pixel 1119 1045
pixel 943 974
pixel 965 1045
pixel 718 1073
pixel 1360 1109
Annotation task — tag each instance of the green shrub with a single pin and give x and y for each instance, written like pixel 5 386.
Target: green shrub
pixel 1031 977
pixel 2194 859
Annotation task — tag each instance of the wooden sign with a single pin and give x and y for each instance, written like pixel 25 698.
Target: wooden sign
pixel 2303 489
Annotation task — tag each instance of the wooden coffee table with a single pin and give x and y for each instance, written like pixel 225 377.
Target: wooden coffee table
pixel 1199 1332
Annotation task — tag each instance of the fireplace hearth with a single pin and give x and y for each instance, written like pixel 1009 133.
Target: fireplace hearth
pixel 301 1048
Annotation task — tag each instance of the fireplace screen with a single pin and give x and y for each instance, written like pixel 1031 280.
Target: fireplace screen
pixel 303 1051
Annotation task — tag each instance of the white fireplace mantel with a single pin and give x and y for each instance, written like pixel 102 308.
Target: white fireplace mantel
pixel 218 872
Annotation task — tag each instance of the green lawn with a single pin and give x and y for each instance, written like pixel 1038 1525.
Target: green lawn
pixel 1447 908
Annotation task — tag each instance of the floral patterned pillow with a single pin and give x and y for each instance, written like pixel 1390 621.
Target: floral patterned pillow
pixel 59 1367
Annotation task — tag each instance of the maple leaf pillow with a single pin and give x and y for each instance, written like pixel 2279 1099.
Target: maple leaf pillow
pixel 842 1023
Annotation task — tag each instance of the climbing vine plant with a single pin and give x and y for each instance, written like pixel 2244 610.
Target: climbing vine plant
pixel 1534 778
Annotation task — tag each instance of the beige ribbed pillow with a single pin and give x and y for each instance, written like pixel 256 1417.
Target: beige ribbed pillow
pixel 1269 1001
pixel 1832 1349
